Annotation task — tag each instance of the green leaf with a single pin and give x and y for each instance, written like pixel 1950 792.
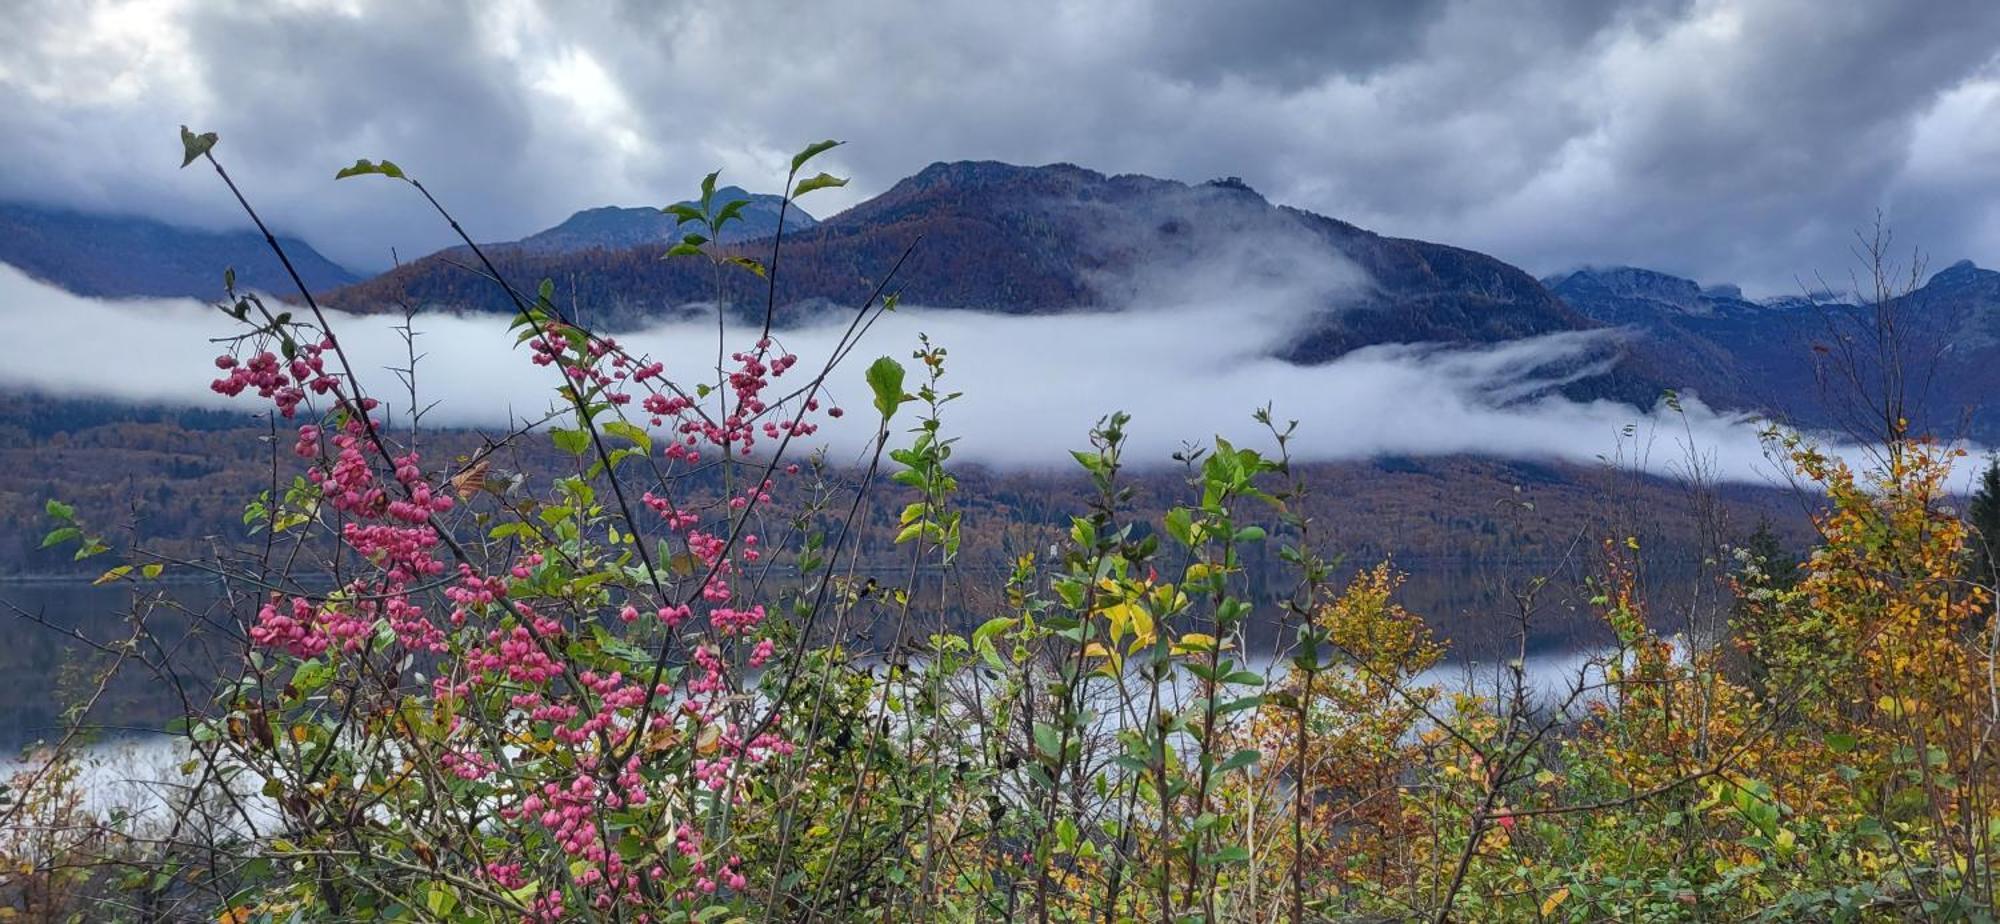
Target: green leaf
pixel 885 377
pixel 637 435
pixel 59 510
pixel 574 442
pixel 193 145
pixel 708 190
pixel 1841 743
pixel 684 213
pixel 1248 702
pixel 1047 742
pixel 822 181
pixel 364 167
pixel 1239 760
pixel 1066 834
pixel 1233 854
pixel 992 627
pixel 61 536
pixel 749 264
pixel 311 676
pixel 152 571
pixel 441 899
pixel 812 150
pixel 731 211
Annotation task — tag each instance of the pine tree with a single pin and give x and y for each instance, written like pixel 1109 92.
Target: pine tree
pixel 1983 515
pixel 1774 569
pixel 1780 568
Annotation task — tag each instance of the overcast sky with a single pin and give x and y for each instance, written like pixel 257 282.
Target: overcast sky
pixel 1729 141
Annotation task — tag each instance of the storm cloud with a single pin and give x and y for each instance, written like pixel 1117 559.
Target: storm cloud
pixel 1728 141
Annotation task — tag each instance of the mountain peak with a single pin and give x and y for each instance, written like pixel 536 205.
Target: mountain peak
pixel 1232 182
pixel 1958 273
pixel 617 227
pixel 976 176
pixel 1042 239
pixel 990 172
pixel 1630 283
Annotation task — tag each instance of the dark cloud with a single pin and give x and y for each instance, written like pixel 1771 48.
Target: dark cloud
pixel 1290 44
pixel 1724 140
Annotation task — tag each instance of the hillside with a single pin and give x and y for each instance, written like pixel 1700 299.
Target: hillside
pixel 121 256
pixel 172 479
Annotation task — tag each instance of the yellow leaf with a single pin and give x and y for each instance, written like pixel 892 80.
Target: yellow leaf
pixel 1142 625
pixel 1126 617
pixel 1194 642
pixel 1555 898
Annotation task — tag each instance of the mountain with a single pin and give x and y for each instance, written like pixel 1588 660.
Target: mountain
pixel 1627 294
pixel 1797 357
pixel 118 256
pixel 617 228
pixel 1033 240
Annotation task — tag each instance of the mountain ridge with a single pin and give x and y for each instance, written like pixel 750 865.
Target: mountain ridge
pixel 1794 356
pixel 122 256
pixel 1043 239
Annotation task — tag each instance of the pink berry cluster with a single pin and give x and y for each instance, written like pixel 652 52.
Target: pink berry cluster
pixel 285 384
pixel 512 660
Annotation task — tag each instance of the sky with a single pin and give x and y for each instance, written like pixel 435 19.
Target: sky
pixel 1740 141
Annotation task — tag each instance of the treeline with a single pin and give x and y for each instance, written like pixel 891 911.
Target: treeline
pixel 174 477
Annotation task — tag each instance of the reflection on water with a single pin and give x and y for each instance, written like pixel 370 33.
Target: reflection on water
pixel 48 668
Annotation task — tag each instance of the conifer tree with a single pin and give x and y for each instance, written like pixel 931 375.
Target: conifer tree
pixel 1983 515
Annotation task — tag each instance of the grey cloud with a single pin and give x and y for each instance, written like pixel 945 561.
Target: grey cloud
pixel 1289 44
pixel 1731 141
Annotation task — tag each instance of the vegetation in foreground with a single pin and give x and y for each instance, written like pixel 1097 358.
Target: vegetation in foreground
pixel 462 698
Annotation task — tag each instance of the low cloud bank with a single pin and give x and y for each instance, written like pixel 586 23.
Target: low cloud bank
pixel 1033 385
